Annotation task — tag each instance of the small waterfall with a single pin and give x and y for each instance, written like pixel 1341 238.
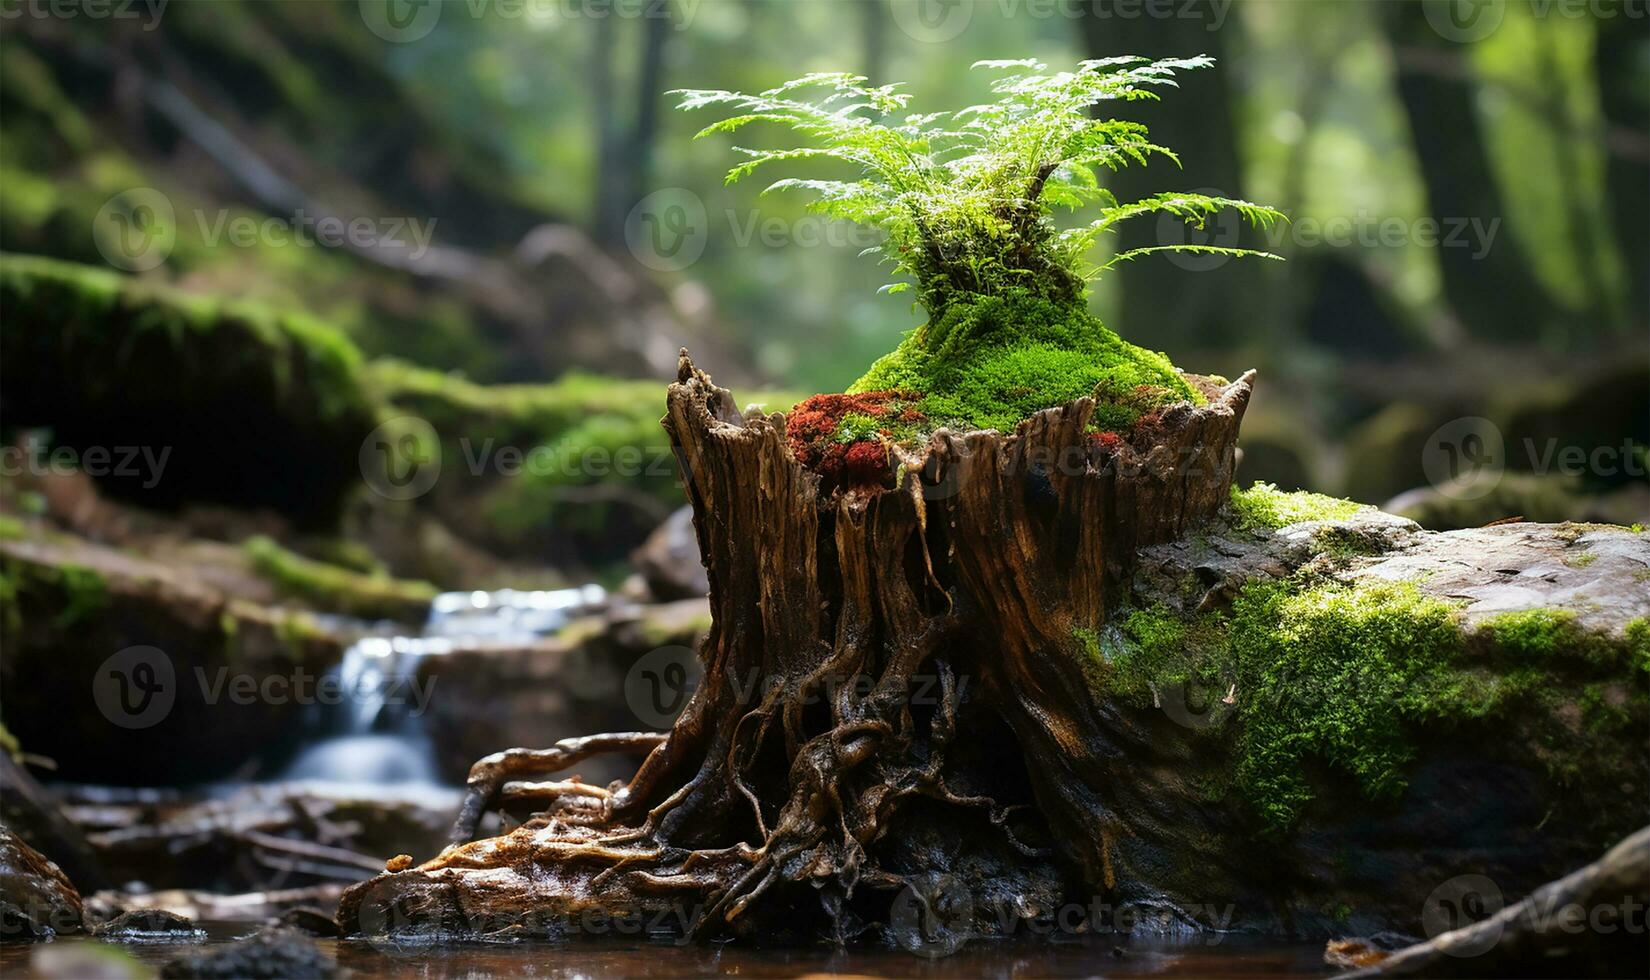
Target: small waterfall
pixel 375 734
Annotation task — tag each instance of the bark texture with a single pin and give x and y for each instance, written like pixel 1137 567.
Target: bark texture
pixel 890 692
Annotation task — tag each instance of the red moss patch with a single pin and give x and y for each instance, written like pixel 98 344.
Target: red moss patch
pixel 1109 442
pixel 812 431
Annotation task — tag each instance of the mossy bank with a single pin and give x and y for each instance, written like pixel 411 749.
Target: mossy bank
pixel 235 403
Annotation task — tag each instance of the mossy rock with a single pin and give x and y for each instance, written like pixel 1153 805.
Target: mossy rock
pixel 228 666
pixel 1342 685
pixel 336 589
pixel 253 407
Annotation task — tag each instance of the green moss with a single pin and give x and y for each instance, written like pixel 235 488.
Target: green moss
pixel 297 631
pixel 1582 560
pixel 75 592
pixel 552 440
pixel 1337 673
pixel 658 631
pixel 989 362
pixel 1327 677
pixel 234 394
pixel 1638 643
pixel 1265 507
pixel 339 589
pixel 1156 651
pixel 85 593
pixel 855 426
pixel 1535 634
pixel 9 744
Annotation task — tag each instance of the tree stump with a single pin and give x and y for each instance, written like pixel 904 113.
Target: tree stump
pixel 891 691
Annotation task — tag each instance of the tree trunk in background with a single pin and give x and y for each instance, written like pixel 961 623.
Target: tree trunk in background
pixel 638 156
pixel 1175 303
pixel 1495 295
pixel 624 147
pixel 1620 63
pixel 606 220
pixel 874 40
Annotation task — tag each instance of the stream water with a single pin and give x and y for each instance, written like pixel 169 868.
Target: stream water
pixel 374 741
pixel 612 957
pixel 375 736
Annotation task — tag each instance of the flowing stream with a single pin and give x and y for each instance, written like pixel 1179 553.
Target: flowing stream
pixel 375 735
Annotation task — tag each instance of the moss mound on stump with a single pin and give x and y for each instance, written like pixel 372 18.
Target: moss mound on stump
pixel 251 407
pixel 987 362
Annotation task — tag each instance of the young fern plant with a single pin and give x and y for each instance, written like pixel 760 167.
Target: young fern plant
pixel 966 200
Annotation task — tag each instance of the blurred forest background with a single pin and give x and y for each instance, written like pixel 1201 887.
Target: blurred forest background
pixel 314 313
pixel 1467 183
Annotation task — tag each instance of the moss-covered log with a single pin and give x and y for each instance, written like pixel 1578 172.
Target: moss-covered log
pixel 997 675
pixel 224 398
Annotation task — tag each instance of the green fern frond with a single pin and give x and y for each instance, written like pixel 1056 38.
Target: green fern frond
pixel 965 196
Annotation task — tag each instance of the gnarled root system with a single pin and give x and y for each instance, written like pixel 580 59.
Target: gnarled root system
pixel 892 694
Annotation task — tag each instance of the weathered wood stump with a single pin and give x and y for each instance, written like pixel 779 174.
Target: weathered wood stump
pixel 890 690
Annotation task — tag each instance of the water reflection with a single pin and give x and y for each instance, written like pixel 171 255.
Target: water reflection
pixel 1086 956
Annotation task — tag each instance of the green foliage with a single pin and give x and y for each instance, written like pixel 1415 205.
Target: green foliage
pixel 1265 507
pixel 1531 633
pixel 857 425
pixel 965 199
pixel 965 196
pixel 78 593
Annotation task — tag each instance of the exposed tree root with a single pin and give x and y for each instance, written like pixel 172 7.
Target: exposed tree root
pixel 891 688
